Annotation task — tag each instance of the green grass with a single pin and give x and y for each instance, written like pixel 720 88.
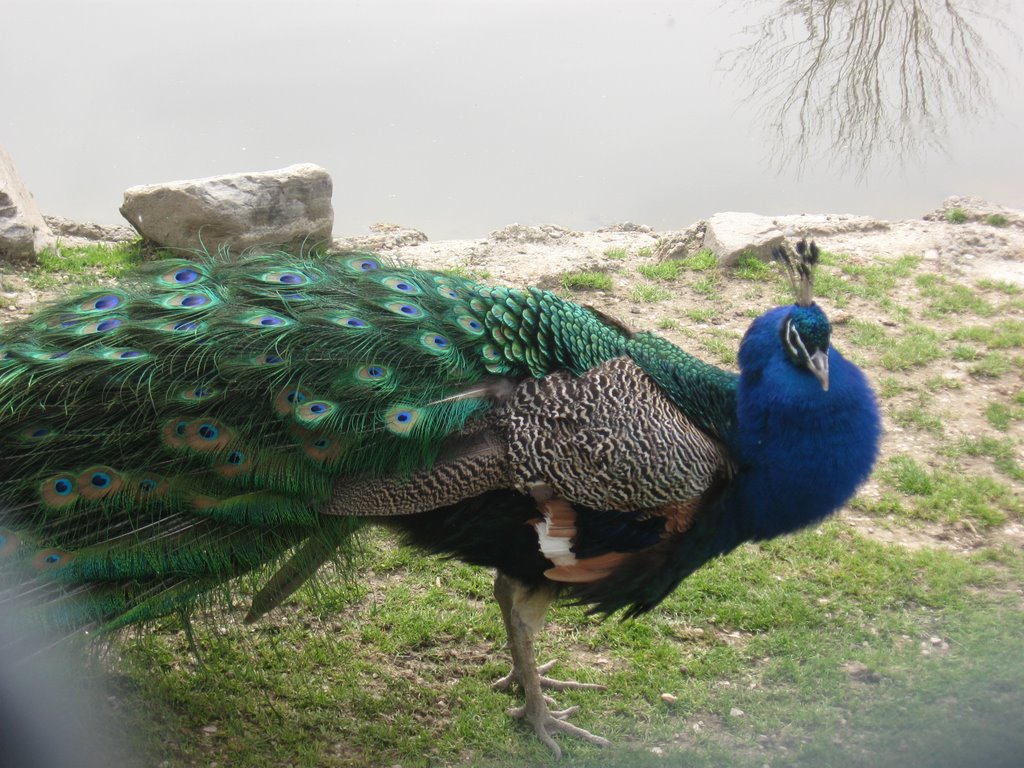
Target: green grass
pixel 997 220
pixel 949 496
pixel 956 215
pixel 838 650
pixel 586 281
pixel 752 268
pixel 663 270
pixel 995 364
pixel 616 254
pixel 643 293
pixel 945 298
pixel 1006 333
pixel 83 266
pixel 918 346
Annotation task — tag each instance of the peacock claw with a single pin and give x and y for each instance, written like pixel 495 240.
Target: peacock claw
pixel 504 683
pixel 542 719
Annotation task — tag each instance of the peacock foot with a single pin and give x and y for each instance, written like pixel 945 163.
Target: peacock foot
pixel 545 722
pixel 504 683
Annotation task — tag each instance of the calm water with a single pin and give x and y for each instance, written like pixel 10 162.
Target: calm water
pixel 454 117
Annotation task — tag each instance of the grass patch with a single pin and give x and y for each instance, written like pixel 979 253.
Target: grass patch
pixel 85 265
pixel 838 650
pixel 993 365
pixel 649 294
pixel 997 220
pixel 949 496
pixel 945 298
pixel 956 216
pixel 1005 334
pixel 1000 286
pixel 703 314
pixel 701 261
pixel 752 268
pixel 918 346
pixel 616 254
pixel 1002 451
pixel 586 281
pixel 663 270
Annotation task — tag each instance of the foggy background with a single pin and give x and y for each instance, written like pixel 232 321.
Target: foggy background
pixel 458 117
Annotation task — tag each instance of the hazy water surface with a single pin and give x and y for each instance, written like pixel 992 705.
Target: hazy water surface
pixel 452 117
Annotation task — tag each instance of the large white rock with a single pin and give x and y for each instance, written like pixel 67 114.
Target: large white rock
pixel 731 235
pixel 271 208
pixel 23 232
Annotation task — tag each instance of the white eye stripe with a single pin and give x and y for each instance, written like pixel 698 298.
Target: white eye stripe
pixel 795 343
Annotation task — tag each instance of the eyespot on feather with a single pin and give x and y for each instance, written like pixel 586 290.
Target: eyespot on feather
pixel 268 359
pixel 187 301
pixel 234 464
pixel 103 302
pixel 322 448
pixel 38 433
pixel 491 353
pixel 9 542
pixel 404 309
pixel 435 343
pixel 373 374
pixel 266 320
pixel 103 325
pixel 151 487
pixel 288 399
pixel 402 285
pixel 470 325
pixel 183 326
pixel 287 277
pixel 314 411
pixel 120 355
pixel 198 392
pixel 173 433
pixel 206 435
pixel 182 275
pixel 49 357
pixel 58 491
pixel 350 322
pixel 98 482
pixel 401 419
pixel 51 559
pixel 362 264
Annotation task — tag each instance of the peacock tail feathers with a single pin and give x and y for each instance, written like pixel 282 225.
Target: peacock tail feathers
pixel 187 426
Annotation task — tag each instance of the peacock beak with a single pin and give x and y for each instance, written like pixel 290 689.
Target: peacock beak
pixel 818 365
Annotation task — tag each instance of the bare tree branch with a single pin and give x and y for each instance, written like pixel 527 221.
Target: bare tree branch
pixel 859 79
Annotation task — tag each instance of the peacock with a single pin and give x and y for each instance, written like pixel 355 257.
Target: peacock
pixel 247 414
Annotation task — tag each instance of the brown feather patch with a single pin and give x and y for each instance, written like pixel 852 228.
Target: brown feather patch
pixel 588 569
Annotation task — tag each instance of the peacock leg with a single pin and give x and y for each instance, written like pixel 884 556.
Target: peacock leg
pixel 523 610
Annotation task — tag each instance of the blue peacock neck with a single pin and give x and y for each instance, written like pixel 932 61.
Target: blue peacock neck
pixel 802 451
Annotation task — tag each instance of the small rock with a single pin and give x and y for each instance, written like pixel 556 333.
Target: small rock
pixel 736 712
pixel 730 236
pixel 668 698
pixel 23 231
pixel 657 751
pixel 209 729
pixel 289 206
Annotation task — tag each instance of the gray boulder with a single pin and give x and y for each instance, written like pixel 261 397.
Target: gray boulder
pixel 731 235
pixel 285 207
pixel 23 232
